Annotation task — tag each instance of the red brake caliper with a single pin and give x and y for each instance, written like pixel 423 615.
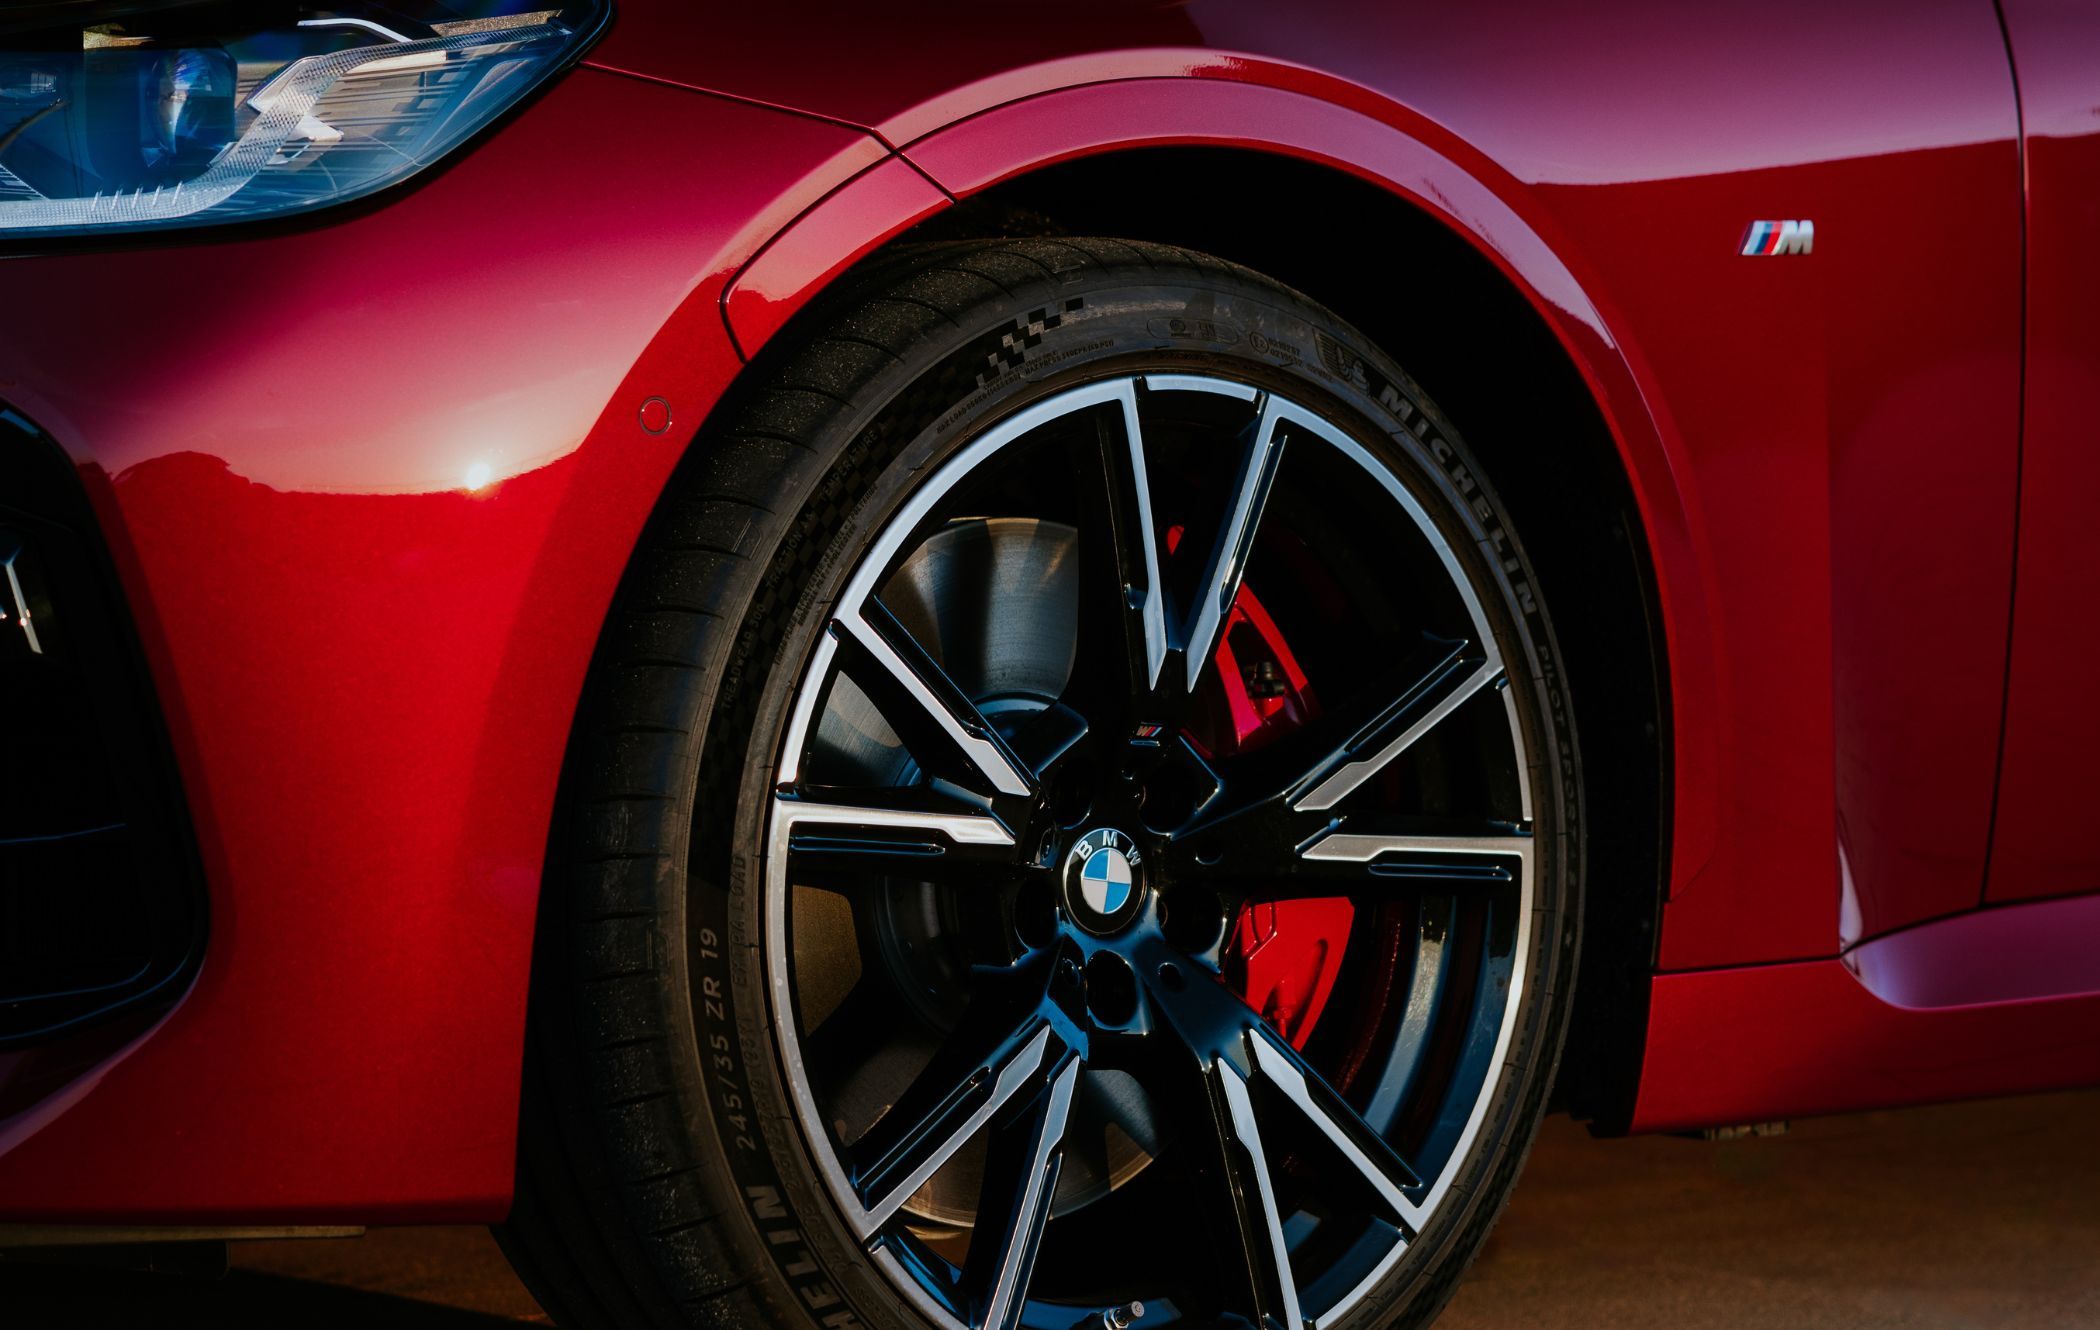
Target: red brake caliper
pixel 1284 954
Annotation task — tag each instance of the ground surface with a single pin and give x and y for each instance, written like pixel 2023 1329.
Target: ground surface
pixel 1976 1215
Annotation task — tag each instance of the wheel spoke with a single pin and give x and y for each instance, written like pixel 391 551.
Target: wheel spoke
pixel 1432 696
pixel 1047 735
pixel 1227 565
pixel 1274 817
pixel 1454 859
pixel 1235 1048
pixel 1222 1151
pixel 1225 1032
pixel 1305 770
pixel 1121 652
pixel 1350 855
pixel 918 698
pixel 902 835
pixel 1366 1151
pixel 1020 1179
pixel 1266 1255
pixel 991 1056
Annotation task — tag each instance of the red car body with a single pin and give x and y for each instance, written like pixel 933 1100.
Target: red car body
pixel 370 483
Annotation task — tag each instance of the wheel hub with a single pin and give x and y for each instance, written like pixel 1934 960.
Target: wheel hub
pixel 1104 883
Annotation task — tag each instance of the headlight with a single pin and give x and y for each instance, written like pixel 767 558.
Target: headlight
pixel 196 113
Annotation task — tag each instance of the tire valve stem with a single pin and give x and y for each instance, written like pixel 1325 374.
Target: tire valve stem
pixel 1121 1318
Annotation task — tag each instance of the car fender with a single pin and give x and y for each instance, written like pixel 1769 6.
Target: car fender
pixel 1401 153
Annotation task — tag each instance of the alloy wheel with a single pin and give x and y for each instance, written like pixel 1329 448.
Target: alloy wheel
pixel 1149 868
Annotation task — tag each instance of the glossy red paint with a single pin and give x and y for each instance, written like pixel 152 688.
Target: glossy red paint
pixel 369 667
pixel 1822 414
pixel 1794 662
pixel 1993 1002
pixel 2043 845
pixel 823 243
pixel 992 147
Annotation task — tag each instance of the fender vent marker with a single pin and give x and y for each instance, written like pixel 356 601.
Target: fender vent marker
pixel 1767 239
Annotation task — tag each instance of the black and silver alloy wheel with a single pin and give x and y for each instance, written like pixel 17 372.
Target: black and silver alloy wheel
pixel 1117 1005
pixel 1149 895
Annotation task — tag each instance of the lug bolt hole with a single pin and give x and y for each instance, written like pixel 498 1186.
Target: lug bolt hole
pixel 1195 922
pixel 1072 799
pixel 1035 916
pixel 1111 989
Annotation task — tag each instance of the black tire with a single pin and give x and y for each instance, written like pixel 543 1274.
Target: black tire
pixel 663 1179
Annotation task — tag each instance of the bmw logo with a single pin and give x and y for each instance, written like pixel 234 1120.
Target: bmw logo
pixel 1102 879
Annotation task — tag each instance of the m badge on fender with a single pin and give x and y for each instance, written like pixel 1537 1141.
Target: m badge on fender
pixel 1767 239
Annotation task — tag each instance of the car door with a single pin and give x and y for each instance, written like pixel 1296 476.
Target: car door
pixel 2042 843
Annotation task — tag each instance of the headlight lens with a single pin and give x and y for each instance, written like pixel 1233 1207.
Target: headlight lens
pixel 220 112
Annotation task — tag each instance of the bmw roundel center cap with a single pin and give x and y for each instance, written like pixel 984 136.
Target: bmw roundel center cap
pixel 1103 886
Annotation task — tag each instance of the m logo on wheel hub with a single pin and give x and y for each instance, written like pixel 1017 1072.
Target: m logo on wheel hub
pixel 1102 882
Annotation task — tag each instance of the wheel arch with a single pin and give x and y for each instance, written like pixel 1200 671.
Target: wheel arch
pixel 1471 305
pixel 1592 558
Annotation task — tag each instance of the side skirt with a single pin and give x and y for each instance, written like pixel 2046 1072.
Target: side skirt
pixel 1998 1001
